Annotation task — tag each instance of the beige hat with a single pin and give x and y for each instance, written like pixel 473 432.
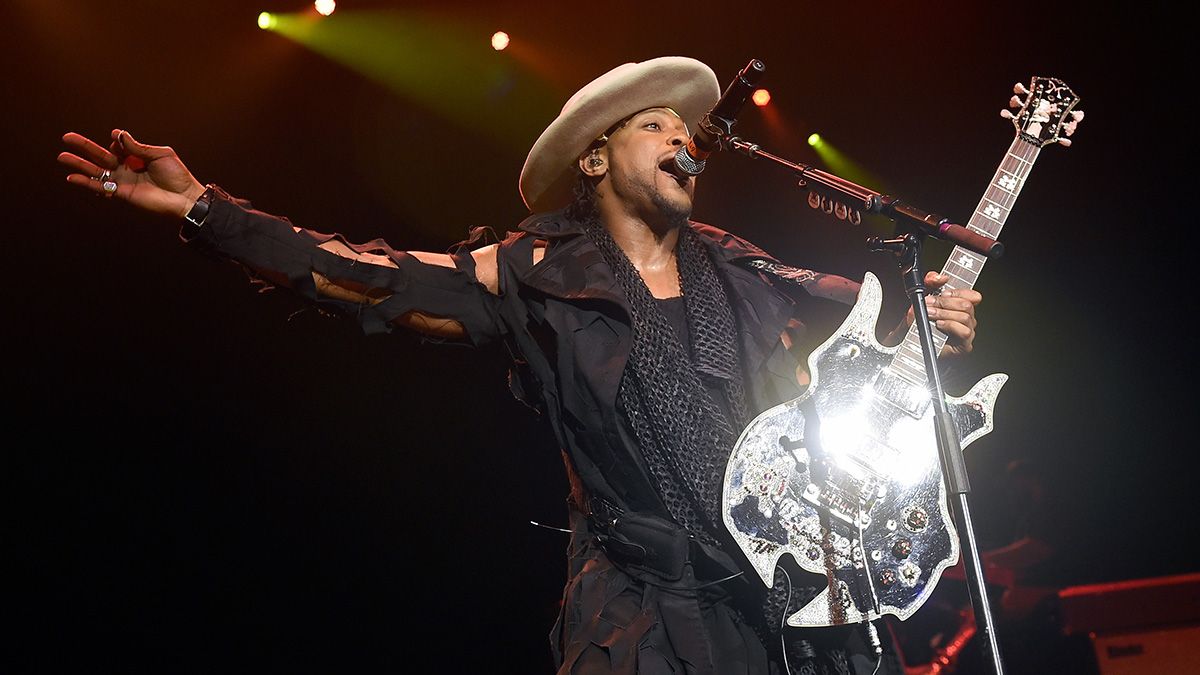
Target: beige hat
pixel 685 85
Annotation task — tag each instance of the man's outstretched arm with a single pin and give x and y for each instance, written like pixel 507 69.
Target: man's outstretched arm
pixel 426 292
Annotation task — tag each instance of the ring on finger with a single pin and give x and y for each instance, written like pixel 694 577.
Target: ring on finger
pixel 104 176
pixel 109 187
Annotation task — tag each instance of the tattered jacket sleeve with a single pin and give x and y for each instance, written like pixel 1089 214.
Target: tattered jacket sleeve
pixel 280 253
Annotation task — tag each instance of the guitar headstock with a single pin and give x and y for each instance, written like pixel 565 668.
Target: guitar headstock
pixel 1047 114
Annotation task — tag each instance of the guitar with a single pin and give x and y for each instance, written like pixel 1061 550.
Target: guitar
pixel 846 478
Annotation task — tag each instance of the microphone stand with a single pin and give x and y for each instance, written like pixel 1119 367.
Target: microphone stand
pixel 913 225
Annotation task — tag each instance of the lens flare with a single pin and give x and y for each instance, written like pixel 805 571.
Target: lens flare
pixel 499 40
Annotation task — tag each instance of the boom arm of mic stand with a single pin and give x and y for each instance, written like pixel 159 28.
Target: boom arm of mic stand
pixel 869 201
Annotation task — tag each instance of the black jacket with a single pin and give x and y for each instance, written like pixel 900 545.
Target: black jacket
pixel 564 321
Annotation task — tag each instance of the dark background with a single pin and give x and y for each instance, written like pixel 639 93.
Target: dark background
pixel 202 480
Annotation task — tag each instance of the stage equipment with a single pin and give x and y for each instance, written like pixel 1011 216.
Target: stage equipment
pixel 851 479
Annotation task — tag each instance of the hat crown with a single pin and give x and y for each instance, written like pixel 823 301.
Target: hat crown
pixel 685 85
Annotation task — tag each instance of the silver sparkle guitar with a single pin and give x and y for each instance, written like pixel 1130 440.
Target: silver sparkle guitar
pixel 846 478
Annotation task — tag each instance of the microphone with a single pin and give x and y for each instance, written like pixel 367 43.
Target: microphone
pixel 719 121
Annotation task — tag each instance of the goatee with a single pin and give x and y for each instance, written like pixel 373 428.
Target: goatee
pixel 674 214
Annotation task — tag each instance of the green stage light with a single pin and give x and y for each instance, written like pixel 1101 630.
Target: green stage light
pixel 814 140
pixel 440 62
pixel 266 21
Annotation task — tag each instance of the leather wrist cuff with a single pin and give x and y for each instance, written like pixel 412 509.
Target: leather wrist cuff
pixel 194 219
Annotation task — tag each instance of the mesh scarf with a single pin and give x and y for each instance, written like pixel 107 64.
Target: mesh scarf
pixel 684 435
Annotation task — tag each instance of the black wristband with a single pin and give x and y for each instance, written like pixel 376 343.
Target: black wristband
pixel 194 219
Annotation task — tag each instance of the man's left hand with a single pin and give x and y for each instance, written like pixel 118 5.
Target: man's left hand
pixel 952 311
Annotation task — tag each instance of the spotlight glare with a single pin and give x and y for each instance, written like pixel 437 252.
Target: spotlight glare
pixel 266 21
pixel 761 97
pixel 499 40
pixel 325 7
pixel 814 140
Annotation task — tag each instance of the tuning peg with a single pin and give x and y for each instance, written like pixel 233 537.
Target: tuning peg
pixel 1014 102
pixel 1006 114
pixel 1078 115
pixel 1065 142
pixel 1019 88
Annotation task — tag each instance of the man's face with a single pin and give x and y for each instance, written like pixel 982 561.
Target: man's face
pixel 638 154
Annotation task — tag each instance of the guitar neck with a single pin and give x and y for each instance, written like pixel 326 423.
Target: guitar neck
pixel 964 265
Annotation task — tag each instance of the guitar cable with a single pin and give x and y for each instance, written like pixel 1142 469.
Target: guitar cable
pixel 872 632
pixel 787 667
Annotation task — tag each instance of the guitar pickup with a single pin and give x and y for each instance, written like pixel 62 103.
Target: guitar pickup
pixel 912 398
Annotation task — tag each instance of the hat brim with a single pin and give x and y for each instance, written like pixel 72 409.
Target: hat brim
pixel 685 85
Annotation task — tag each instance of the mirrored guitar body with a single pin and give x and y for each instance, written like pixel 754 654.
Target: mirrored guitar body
pixel 846 478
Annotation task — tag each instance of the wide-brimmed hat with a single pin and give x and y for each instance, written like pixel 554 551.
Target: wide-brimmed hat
pixel 685 85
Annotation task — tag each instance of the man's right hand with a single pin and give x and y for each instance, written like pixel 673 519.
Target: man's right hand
pixel 150 177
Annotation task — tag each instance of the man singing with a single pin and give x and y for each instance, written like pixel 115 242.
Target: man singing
pixel 644 339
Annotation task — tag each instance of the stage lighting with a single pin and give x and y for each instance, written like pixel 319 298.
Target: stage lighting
pixel 814 140
pixel 499 40
pixel 761 97
pixel 325 7
pixel 266 21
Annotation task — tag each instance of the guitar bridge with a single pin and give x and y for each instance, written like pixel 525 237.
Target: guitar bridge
pixel 846 498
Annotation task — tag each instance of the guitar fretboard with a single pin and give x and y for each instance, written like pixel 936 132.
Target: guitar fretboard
pixel 964 265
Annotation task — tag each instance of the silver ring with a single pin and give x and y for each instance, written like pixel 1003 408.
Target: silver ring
pixel 110 187
pixel 104 176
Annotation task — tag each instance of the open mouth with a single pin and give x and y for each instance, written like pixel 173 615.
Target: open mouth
pixel 668 167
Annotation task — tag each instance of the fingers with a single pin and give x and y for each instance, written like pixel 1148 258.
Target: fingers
pixel 86 173
pixel 958 333
pixel 953 305
pixel 89 150
pixel 80 165
pixel 147 153
pixel 96 186
pixel 953 299
pixel 952 310
pixel 935 284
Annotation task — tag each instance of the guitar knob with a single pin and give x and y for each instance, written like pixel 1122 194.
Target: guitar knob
pixel 902 548
pixel 1014 102
pixel 1065 142
pixel 887 578
pixel 1019 88
pixel 1077 114
pixel 1006 114
pixel 916 518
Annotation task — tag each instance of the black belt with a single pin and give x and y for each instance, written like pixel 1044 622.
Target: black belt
pixel 655 550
